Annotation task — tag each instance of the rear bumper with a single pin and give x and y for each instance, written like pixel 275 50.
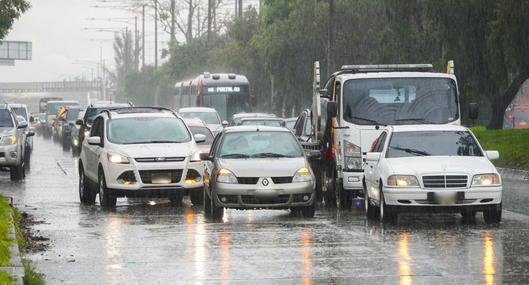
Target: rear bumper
pixel 353 180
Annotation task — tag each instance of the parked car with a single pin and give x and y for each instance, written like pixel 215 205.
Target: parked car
pixel 431 168
pixel 139 152
pixel 272 122
pixel 236 119
pixel 256 168
pixel 207 115
pixel 13 146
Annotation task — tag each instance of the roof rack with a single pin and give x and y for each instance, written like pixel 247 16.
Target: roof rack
pixel 387 68
pixel 135 109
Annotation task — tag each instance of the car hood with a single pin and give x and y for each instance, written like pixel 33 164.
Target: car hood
pixel 263 167
pixel 159 150
pixel 421 165
pixel 6 131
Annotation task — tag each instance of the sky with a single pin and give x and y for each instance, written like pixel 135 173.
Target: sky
pixel 62 46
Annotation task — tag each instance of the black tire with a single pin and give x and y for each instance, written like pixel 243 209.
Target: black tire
pixel 308 211
pixel 18 172
pixel 493 215
pixel 207 204
pixel 27 161
pixel 86 195
pixel 197 197
pixel 176 198
pixel 327 189
pixel 371 210
pixel 468 215
pixel 106 199
pixel 75 151
pixel 217 213
pixel 385 212
pixel 344 199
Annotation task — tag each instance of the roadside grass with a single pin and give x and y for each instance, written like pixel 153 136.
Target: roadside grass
pixel 5 279
pixel 31 277
pixel 5 242
pixel 513 145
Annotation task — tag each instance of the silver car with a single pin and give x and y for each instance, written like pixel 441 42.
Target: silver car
pixel 257 167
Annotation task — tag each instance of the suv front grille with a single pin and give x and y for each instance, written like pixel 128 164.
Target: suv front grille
pixel 247 180
pixel 147 175
pixel 160 159
pixel 282 180
pixel 445 181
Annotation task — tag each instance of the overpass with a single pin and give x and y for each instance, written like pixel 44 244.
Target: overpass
pixel 50 87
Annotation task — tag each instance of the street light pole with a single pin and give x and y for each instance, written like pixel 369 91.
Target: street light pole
pixel 155 34
pixel 143 36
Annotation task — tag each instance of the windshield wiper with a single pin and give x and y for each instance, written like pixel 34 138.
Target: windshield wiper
pixel 269 154
pixel 423 120
pixel 411 150
pixel 368 120
pixel 235 155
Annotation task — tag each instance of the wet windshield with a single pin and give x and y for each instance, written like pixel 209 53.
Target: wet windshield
pixel 400 101
pixel 433 143
pixel 147 130
pixel 206 117
pixel 259 144
pixel 5 119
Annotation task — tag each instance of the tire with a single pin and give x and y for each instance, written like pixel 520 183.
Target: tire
pixel 344 199
pixel 106 199
pixel 468 215
pixel 197 198
pixel 493 215
pixel 27 161
pixel 371 210
pixel 207 204
pixel 385 212
pixel 86 196
pixel 327 191
pixel 176 198
pixel 308 211
pixel 18 172
pixel 217 213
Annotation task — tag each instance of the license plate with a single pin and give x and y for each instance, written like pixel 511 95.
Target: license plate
pixel 161 178
pixel 446 198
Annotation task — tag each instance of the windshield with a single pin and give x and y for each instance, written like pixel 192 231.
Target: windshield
pixel 5 119
pixel 400 101
pixel 264 122
pixel 290 124
pixel 259 144
pixel 433 143
pixel 21 112
pixel 206 117
pixel 227 104
pixel 72 114
pixel 203 131
pixel 147 130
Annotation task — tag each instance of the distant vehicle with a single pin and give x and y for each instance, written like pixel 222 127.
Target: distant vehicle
pixel 516 117
pixel 90 114
pixel 66 124
pixel 139 152
pixel 22 110
pixel 228 93
pixel 207 115
pixel 43 103
pixel 257 168
pixel 52 110
pixel 431 168
pixel 197 126
pixel 290 122
pixel 41 122
pixel 236 118
pixel 13 147
pixel 272 122
pixel 74 137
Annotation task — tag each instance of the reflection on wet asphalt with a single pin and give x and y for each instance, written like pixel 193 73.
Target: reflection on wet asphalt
pixel 142 243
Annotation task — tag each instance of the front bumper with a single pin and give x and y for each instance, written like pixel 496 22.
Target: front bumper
pixel 417 197
pixel 243 196
pixel 9 155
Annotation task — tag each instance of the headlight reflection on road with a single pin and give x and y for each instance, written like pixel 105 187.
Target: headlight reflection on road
pixel 489 270
pixel 306 258
pixel 225 258
pixel 405 260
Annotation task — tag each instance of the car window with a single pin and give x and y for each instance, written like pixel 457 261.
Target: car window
pixel 206 117
pixel 259 144
pixel 94 132
pixel 5 119
pixel 142 130
pixel 380 142
pixel 21 112
pixel 433 143
pixel 299 126
pixel 308 127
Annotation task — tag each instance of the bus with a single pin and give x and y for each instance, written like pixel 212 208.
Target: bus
pixel 227 93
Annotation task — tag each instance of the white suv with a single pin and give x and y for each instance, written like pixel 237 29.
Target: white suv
pixel 139 152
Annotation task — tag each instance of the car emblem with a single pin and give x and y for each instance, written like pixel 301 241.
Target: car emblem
pixel 160 159
pixel 265 182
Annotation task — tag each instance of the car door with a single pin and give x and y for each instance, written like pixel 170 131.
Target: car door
pixel 91 151
pixel 210 164
pixel 371 171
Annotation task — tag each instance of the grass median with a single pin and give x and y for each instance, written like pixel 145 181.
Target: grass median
pixel 5 222
pixel 513 145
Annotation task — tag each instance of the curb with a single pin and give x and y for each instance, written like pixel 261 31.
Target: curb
pixel 514 174
pixel 16 270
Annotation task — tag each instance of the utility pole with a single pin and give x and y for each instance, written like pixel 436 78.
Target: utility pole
pixel 155 34
pixel 241 8
pixel 210 22
pixel 136 44
pixel 173 30
pixel 331 37
pixel 143 36
pixel 214 15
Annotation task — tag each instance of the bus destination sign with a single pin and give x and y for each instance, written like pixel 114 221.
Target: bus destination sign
pixel 224 89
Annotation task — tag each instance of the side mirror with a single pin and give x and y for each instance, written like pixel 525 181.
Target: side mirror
pixel 225 124
pixel 79 122
pixel 94 140
pixel 473 111
pixel 31 119
pixel 22 125
pixel 373 156
pixel 332 109
pixel 205 156
pixel 30 134
pixel 200 138
pixel 492 154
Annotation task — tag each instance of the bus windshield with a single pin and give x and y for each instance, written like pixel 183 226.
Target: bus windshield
pixel 400 101
pixel 227 104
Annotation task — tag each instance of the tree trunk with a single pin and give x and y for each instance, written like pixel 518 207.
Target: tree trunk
pixel 189 34
pixel 173 28
pixel 501 102
pixel 331 38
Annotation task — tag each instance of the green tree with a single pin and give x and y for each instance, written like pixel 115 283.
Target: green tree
pixel 10 10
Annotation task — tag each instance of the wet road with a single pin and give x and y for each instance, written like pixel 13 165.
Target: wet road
pixel 139 243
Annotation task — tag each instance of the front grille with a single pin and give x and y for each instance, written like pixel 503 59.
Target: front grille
pixel 160 159
pixel 147 175
pixel 249 199
pixel 445 181
pixel 247 180
pixel 282 180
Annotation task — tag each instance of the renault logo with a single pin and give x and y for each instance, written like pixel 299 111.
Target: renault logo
pixel 265 182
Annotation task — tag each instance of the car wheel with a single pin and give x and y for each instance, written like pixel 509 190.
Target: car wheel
pixel 308 211
pixel 197 198
pixel 17 172
pixel 371 211
pixel 493 215
pixel 86 196
pixel 468 215
pixel 105 198
pixel 326 186
pixel 385 212
pixel 27 161
pixel 207 204
pixel 217 213
pixel 176 198
pixel 75 151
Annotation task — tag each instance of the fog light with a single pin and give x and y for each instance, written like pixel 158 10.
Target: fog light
pixel 354 179
pixel 305 198
pixel 191 181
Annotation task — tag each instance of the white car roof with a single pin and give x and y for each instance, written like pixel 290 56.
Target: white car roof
pixel 197 109
pixel 425 128
pixel 346 76
pixel 255 128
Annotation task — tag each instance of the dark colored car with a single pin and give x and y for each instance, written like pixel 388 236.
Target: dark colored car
pixel 66 125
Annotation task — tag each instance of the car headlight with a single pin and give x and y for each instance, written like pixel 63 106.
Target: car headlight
pixel 117 158
pixel 403 181
pixel 486 180
pixel 352 156
pixel 302 175
pixel 86 134
pixel 75 142
pixel 225 176
pixel 9 140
